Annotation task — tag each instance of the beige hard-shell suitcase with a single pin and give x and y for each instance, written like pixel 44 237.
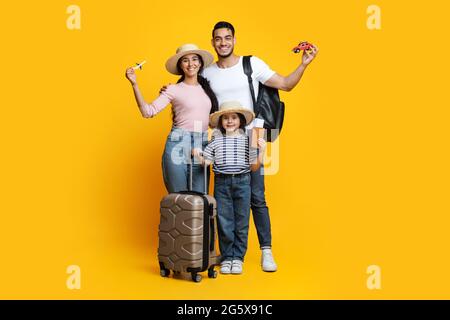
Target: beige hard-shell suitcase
pixel 187 233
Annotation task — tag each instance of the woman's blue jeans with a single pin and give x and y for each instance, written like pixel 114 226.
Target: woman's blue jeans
pixel 177 159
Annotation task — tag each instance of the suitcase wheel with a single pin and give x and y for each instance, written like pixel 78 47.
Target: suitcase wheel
pixel 164 272
pixel 212 273
pixel 196 277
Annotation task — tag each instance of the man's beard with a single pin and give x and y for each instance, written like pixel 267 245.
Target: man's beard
pixel 227 55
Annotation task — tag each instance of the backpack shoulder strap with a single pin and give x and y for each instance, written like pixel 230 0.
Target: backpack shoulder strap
pixel 248 71
pixel 247 66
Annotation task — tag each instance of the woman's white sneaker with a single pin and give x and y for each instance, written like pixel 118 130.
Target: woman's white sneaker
pixel 267 262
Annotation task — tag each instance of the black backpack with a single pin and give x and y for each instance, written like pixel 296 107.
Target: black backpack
pixel 268 106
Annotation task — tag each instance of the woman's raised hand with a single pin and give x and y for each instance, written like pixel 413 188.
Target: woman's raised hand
pixel 131 75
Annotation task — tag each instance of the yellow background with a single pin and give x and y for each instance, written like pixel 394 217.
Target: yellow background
pixel 363 177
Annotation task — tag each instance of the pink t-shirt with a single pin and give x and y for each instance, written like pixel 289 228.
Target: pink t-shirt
pixel 190 105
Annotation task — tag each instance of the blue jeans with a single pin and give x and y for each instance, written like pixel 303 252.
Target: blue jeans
pixel 177 159
pixel 259 209
pixel 232 194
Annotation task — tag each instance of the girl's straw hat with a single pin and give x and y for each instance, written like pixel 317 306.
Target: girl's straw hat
pixel 231 107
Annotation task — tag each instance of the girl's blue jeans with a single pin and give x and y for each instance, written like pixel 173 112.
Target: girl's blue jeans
pixel 232 193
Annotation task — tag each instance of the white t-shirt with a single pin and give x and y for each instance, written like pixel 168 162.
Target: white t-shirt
pixel 231 84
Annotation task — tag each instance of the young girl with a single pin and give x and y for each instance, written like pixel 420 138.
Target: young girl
pixel 233 158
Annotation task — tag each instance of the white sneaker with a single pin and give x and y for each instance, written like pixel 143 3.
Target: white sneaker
pixel 267 262
pixel 236 267
pixel 225 267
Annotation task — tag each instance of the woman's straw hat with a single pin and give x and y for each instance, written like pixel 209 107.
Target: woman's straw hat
pixel 171 64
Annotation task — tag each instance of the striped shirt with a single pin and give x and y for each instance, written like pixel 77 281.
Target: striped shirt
pixel 230 154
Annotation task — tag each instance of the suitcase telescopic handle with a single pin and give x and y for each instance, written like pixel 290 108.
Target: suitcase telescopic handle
pixel 205 178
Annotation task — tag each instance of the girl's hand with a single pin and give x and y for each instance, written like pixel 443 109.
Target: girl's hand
pixel 197 152
pixel 131 76
pixel 262 144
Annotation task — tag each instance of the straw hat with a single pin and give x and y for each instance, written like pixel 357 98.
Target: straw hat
pixel 231 107
pixel 171 64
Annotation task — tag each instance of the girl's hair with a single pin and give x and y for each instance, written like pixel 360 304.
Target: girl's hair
pixel 203 82
pixel 242 123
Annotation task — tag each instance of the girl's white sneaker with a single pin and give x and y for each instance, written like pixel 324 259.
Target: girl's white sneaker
pixel 225 267
pixel 236 267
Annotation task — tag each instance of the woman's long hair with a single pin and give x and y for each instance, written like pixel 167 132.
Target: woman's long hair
pixel 205 85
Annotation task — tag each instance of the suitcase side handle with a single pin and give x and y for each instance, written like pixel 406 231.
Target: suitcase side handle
pixel 211 227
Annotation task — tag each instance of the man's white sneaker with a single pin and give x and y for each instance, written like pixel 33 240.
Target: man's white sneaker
pixel 225 267
pixel 236 267
pixel 267 262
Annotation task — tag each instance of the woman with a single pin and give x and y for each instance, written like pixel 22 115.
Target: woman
pixel 192 101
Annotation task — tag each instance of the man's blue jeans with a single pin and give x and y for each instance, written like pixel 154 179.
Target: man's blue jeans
pixel 232 194
pixel 259 209
pixel 177 158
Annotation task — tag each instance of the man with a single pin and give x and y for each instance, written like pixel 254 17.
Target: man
pixel 229 83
